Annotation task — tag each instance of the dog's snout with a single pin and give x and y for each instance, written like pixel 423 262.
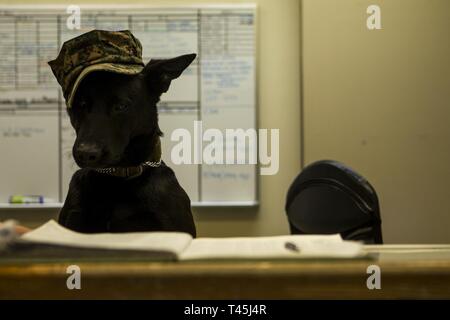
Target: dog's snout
pixel 87 154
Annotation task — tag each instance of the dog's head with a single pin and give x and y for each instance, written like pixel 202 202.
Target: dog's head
pixel 115 115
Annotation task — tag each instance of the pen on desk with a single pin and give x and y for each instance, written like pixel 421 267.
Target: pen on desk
pixel 291 246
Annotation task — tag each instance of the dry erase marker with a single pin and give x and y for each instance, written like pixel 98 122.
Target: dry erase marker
pixel 18 199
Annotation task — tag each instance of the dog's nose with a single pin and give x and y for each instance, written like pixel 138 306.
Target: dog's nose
pixel 87 154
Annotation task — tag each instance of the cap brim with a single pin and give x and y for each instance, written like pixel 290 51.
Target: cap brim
pixel 129 69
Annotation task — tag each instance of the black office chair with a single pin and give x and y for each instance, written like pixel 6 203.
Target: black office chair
pixel 328 197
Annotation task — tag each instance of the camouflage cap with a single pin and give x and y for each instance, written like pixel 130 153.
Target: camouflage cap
pixel 97 50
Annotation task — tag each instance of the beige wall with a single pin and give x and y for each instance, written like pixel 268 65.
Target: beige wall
pixel 380 102
pixel 278 87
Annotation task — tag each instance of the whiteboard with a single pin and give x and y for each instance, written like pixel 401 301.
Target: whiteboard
pixel 218 89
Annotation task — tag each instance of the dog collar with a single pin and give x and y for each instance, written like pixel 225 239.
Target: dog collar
pixel 129 172
pixel 133 172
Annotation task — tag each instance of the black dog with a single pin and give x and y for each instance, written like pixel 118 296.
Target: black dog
pixel 116 122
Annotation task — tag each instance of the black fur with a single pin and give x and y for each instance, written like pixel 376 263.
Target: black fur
pixel 116 122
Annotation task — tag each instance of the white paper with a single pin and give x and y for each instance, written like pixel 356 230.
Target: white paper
pixel 309 246
pixel 53 233
pixel 181 244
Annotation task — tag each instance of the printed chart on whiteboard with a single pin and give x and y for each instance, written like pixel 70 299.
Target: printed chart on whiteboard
pixel 217 91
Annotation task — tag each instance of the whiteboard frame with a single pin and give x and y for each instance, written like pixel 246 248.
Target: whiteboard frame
pixel 251 6
pixel 194 204
pixel 133 6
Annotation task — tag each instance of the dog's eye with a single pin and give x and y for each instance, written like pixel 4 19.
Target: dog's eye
pixel 119 108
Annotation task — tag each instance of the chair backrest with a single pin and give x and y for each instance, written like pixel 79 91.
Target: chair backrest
pixel 328 197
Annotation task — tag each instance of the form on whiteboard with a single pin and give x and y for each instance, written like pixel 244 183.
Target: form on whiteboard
pixel 218 89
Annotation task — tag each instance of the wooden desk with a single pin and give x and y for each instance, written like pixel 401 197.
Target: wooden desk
pixel 406 272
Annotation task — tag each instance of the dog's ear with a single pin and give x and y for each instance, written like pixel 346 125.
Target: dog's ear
pixel 159 73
